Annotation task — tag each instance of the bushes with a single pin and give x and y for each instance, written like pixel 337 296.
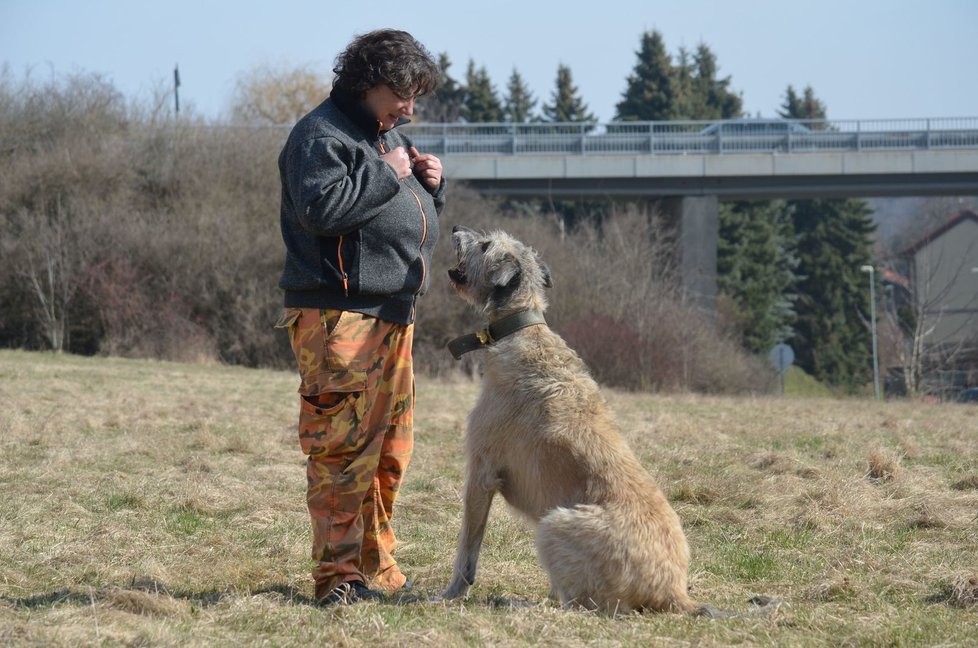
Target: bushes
pixel 614 300
pixel 125 232
pixel 132 234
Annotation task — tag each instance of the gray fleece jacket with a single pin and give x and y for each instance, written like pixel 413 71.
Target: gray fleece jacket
pixel 356 237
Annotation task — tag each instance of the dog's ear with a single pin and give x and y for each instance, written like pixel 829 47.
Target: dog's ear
pixel 548 281
pixel 504 271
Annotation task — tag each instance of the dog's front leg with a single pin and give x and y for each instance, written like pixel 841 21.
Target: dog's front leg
pixel 475 512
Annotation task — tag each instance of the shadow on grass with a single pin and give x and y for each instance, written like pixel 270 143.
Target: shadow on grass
pixel 290 594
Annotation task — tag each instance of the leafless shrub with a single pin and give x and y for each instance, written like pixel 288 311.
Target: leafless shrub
pixel 266 95
pixel 162 235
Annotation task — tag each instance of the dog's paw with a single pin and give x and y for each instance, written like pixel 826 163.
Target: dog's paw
pixel 452 593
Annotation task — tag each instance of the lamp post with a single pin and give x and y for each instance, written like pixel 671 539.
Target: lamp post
pixel 872 311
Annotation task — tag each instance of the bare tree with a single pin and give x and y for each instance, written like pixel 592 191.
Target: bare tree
pixel 270 96
pixel 930 320
pixel 54 268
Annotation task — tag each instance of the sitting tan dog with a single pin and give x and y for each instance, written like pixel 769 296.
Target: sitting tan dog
pixel 542 436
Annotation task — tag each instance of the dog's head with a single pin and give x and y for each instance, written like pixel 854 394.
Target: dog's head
pixel 497 273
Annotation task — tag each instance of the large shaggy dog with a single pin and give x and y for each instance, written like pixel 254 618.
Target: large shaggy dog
pixel 541 435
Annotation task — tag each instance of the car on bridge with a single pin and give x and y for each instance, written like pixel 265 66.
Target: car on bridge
pixel 756 134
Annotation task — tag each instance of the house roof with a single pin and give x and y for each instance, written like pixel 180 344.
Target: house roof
pixel 951 223
pixel 892 277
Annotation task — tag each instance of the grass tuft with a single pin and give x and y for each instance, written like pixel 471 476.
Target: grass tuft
pixel 883 466
pixel 837 589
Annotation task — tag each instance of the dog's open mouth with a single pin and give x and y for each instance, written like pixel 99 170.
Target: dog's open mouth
pixel 457 275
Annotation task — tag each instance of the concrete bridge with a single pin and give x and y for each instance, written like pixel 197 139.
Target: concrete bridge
pixel 693 165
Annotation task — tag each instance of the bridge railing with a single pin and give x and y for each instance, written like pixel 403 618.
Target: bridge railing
pixel 700 137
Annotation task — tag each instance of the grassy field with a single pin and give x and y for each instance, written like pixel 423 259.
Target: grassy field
pixel 148 503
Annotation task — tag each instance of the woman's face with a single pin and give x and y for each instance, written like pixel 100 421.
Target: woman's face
pixel 387 106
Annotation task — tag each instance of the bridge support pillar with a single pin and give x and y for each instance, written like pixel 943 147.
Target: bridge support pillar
pixel 697 226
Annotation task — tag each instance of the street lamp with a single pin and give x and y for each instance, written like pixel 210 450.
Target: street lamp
pixel 872 310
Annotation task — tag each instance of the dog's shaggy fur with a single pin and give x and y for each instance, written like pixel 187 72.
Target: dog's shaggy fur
pixel 542 436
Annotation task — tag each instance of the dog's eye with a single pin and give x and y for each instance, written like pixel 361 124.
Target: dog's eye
pixel 485 245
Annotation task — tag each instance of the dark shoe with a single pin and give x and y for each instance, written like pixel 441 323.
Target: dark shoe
pixel 349 592
pixel 365 593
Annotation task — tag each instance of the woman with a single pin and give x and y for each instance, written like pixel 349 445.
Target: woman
pixel 359 220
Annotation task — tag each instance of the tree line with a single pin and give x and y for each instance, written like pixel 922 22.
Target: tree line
pixel 788 271
pixel 101 210
pixel 127 232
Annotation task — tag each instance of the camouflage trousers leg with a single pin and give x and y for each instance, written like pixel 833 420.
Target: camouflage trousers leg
pixel 356 426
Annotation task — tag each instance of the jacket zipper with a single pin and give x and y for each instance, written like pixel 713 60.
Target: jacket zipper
pixel 424 230
pixel 339 245
pixel 424 237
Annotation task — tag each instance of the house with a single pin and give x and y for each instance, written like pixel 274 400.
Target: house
pixel 938 306
pixel 943 268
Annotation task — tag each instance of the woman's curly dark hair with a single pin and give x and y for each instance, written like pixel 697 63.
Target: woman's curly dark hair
pixel 386 56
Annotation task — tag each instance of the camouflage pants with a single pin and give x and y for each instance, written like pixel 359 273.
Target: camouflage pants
pixel 356 426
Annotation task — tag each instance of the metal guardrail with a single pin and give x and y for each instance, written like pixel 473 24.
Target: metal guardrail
pixel 700 137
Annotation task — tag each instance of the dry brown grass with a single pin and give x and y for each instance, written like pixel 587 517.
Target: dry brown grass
pixel 149 503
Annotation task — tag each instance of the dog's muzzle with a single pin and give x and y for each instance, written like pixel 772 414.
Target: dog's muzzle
pixel 457 275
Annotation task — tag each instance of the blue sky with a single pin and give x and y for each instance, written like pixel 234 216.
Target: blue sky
pixel 864 58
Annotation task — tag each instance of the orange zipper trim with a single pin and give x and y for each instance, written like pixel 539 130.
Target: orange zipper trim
pixel 424 237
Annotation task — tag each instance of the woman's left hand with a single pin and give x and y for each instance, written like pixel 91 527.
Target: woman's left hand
pixel 427 168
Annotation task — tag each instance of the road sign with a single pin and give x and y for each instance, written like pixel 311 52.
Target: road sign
pixel 781 356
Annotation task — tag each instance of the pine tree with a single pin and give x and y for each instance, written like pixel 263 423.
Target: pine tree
pixel 715 98
pixel 566 105
pixel 650 94
pixel 756 270
pixel 834 242
pixel 792 104
pixel 445 103
pixel 808 106
pixel 520 102
pixel 480 101
pixel 686 103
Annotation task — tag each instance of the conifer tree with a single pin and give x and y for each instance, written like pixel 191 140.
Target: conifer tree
pixel 834 242
pixel 686 103
pixel 445 103
pixel 480 101
pixel 520 102
pixel 792 104
pixel 808 106
pixel 650 93
pixel 566 105
pixel 715 99
pixel 756 270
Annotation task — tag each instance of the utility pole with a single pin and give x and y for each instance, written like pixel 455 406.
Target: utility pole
pixel 872 310
pixel 176 89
